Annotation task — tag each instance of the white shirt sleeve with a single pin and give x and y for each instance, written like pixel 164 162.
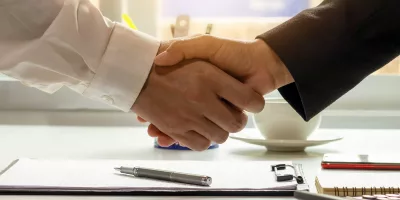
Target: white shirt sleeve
pixel 48 44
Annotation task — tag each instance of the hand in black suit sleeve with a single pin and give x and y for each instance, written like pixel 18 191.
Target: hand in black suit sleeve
pixel 333 47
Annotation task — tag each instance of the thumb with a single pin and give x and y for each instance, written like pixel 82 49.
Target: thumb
pixel 168 58
pixel 201 47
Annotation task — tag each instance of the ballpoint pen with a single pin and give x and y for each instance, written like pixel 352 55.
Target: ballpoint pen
pixel 128 21
pixel 166 175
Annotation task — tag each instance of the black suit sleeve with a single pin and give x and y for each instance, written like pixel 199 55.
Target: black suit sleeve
pixel 331 48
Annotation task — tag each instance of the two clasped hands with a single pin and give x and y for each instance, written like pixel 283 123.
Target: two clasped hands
pixel 200 87
pixel 197 89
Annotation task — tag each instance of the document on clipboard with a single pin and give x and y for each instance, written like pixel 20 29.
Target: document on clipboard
pixel 98 176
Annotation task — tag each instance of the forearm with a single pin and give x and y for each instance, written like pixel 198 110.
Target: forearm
pixel 330 49
pixel 50 44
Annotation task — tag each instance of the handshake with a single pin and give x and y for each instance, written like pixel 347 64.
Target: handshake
pixel 199 87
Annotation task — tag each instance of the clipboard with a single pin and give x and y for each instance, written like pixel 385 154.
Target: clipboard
pixel 50 185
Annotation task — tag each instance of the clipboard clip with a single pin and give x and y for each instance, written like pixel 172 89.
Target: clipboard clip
pixel 282 175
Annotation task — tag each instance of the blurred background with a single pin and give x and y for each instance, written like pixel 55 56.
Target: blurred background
pixel 376 96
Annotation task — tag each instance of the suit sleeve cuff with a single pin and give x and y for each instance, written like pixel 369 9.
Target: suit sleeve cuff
pixel 124 69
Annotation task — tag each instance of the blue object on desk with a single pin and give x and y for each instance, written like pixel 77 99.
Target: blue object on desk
pixel 179 147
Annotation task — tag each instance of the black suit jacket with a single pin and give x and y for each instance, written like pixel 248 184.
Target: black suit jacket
pixel 331 48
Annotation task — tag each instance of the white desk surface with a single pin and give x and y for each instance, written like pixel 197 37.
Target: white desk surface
pixel 133 143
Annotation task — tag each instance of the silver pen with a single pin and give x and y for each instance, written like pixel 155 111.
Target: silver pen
pixel 166 175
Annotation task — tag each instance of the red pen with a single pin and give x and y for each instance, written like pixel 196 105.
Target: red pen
pixel 361 161
pixel 359 166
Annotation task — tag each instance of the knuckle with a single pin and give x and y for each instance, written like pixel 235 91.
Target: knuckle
pixel 222 137
pixel 248 98
pixel 175 45
pixel 207 75
pixel 235 127
pixel 205 37
pixel 195 91
pixel 171 126
pixel 194 95
pixel 261 104
pixel 202 70
pixel 202 145
pixel 239 123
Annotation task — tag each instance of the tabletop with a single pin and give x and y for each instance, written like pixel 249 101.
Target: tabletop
pixel 133 143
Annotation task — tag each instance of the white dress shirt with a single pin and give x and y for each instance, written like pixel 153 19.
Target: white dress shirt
pixel 48 44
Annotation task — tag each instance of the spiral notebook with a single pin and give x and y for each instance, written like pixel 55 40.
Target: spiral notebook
pixel 357 182
pixel 99 176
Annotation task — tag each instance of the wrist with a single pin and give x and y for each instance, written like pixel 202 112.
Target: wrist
pixel 270 62
pixel 163 45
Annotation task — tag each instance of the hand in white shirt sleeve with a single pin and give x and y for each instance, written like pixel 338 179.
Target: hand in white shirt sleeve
pixel 48 44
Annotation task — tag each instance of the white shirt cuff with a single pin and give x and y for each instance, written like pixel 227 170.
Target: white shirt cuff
pixel 124 69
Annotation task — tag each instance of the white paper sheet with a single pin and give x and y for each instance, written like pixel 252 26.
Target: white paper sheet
pixel 100 175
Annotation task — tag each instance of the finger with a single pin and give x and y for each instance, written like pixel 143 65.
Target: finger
pixel 141 120
pixel 162 139
pixel 238 94
pixel 211 131
pixel 193 140
pixel 202 47
pixel 227 117
pixel 165 141
pixel 153 131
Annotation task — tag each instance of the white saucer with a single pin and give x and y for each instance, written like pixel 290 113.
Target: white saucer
pixel 287 145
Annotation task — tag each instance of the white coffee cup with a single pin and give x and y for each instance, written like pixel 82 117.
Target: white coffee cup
pixel 279 121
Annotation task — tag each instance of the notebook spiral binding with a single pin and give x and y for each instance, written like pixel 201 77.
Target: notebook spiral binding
pixel 365 191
